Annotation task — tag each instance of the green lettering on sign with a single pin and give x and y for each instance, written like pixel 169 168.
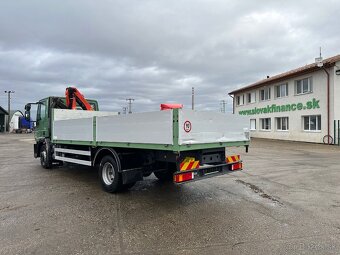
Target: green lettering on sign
pixel 313 104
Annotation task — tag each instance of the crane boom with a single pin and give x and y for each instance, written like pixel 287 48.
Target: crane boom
pixel 73 96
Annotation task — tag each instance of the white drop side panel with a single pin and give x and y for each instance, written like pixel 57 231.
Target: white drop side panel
pixel 76 125
pixel 65 114
pixel 73 129
pixel 211 127
pixel 147 127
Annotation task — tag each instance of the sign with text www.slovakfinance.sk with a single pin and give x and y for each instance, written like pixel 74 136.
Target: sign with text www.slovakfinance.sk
pixel 312 104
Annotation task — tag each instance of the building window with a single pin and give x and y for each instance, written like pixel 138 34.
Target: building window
pixel 312 123
pixel 281 90
pixel 265 94
pixel 251 97
pixel 303 86
pixel 253 124
pixel 265 124
pixel 282 123
pixel 240 100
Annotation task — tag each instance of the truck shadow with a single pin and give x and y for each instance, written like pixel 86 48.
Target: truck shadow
pixel 150 190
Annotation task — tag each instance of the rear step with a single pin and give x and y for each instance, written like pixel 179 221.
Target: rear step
pixel 80 157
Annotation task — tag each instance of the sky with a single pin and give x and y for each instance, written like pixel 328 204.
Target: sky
pixel 155 51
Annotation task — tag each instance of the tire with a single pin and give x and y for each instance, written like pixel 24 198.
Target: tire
pixel 327 139
pixel 109 175
pixel 45 158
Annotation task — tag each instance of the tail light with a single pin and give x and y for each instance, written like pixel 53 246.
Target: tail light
pixel 236 166
pixel 183 177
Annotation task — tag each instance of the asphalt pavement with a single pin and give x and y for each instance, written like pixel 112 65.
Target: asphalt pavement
pixel 285 201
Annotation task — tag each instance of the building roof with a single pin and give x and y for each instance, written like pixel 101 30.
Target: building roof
pixel 11 114
pixel 3 111
pixel 328 62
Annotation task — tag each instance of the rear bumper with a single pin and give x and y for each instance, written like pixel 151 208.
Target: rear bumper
pixel 207 171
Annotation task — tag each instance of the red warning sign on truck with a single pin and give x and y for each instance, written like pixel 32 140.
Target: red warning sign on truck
pixel 187 126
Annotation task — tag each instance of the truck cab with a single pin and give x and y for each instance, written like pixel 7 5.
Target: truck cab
pixel 42 128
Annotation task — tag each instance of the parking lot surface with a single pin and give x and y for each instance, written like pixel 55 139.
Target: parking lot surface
pixel 285 201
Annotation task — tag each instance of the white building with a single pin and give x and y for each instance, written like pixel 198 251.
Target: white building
pixel 14 123
pixel 300 105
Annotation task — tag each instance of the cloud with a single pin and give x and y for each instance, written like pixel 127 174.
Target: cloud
pixel 155 51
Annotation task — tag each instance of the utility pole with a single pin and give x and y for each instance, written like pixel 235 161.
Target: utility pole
pixel 192 98
pixel 130 104
pixel 8 92
pixel 223 104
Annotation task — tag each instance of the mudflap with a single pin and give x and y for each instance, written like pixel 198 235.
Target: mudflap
pixel 35 150
pixel 132 175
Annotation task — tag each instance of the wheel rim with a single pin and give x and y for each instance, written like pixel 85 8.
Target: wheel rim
pixel 108 173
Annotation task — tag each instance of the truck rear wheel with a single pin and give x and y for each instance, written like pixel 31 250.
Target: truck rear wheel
pixel 45 158
pixel 109 175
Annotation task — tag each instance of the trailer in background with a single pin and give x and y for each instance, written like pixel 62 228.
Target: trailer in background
pixel 18 123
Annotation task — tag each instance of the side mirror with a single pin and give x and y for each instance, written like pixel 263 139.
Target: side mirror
pixel 27 112
pixel 27 115
pixel 27 107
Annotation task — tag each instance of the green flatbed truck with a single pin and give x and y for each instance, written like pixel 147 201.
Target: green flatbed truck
pixel 176 144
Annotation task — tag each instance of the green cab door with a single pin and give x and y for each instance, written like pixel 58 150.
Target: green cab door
pixel 42 124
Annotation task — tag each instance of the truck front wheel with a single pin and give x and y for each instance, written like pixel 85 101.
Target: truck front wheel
pixel 109 175
pixel 45 158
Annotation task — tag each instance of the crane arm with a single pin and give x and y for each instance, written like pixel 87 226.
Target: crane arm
pixel 73 96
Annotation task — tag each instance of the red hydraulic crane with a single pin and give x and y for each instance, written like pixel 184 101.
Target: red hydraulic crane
pixel 73 96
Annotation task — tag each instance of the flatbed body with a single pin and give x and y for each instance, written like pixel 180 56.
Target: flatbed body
pixel 162 130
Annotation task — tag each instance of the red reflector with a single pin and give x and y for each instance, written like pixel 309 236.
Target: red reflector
pixel 183 177
pixel 232 159
pixel 171 106
pixel 236 166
